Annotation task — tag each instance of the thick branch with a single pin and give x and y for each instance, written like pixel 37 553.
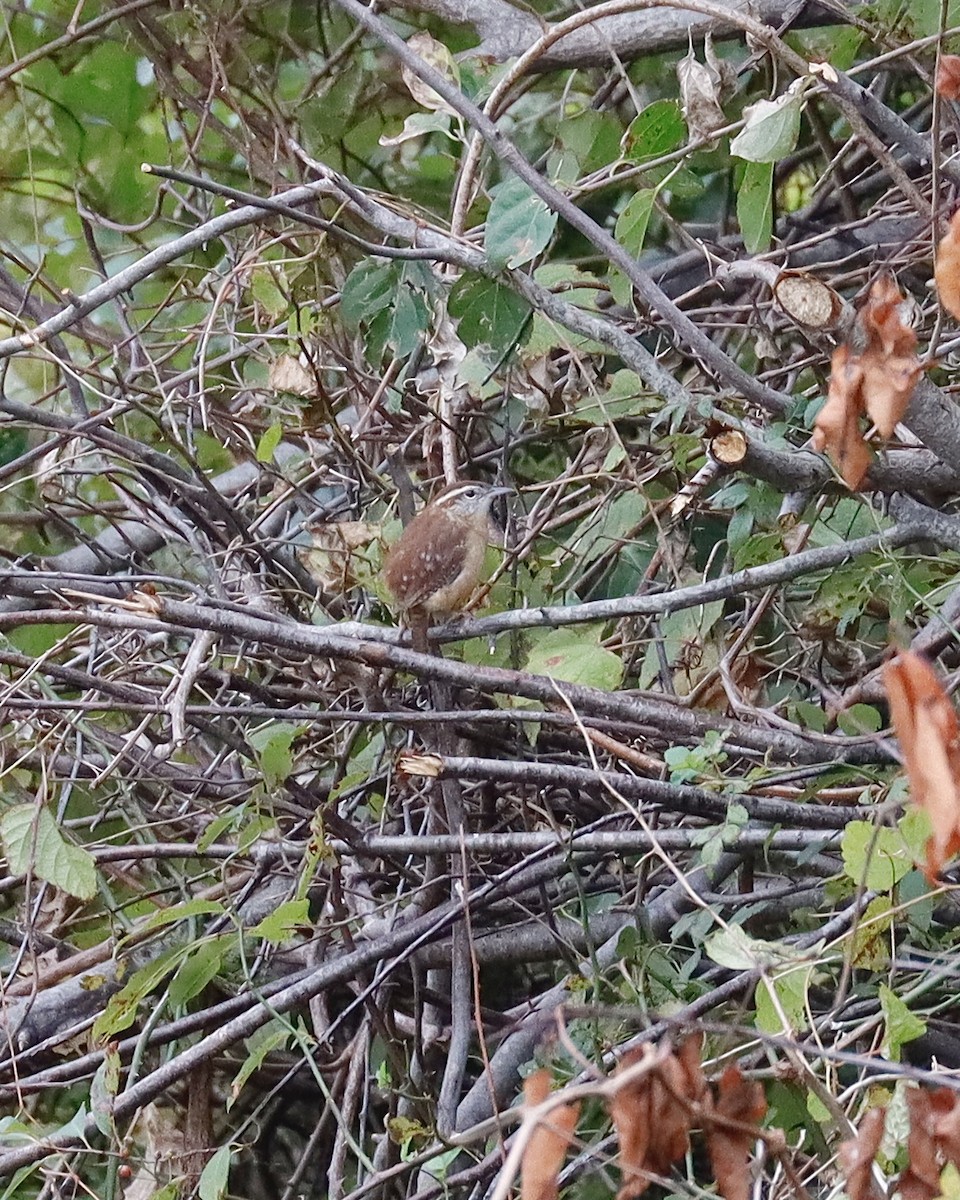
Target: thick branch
pixel 506 32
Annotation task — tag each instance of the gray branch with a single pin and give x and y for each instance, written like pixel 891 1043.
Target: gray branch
pixel 506 31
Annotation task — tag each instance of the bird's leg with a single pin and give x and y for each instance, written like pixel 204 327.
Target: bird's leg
pixel 419 623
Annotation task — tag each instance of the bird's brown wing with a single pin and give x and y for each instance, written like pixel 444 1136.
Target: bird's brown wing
pixel 426 559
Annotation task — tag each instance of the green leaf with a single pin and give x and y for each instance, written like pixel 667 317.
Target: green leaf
pixel 790 989
pixel 755 206
pixel 198 968
pixel 367 291
pixel 400 326
pixel 519 225
pixel 876 857
pixel 859 719
pixel 772 128
pixel 570 655
pixel 103 1090
pixel 267 293
pixel 272 743
pixel 121 1010
pixel 215 1176
pixel 949 1183
pixel 734 948
pixel 916 829
pixel 180 912
pixel 272 1036
pixel 592 137
pixel 33 843
pixel 870 950
pixel 488 313
pixel 417 125
pixel 631 227
pixel 657 130
pixel 900 1024
pixel 439 1165
pixel 269 441
pixel 285 920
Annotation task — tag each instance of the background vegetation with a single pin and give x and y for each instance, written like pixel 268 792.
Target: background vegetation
pixel 288 909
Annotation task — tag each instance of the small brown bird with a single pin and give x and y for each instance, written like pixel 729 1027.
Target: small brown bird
pixel 434 567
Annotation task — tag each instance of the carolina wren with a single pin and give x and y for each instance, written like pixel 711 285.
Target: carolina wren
pixel 438 561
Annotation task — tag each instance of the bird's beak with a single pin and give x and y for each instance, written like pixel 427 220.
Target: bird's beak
pixel 501 491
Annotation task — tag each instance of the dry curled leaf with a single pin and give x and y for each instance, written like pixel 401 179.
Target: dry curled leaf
pixel 652 1113
pixel 926 726
pixel 741 1106
pixel 882 320
pixel 946 269
pixel 857 1155
pixel 888 384
pixel 878 380
pixel 890 364
pixel 545 1151
pixel 336 555
pixel 288 374
pixel 837 427
pixel 948 76
pixel 945 1105
pixel 424 766
pixel 700 97
pixel 435 54
pixel 921 1177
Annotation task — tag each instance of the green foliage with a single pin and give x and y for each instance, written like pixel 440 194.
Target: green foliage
pixel 772 127
pixel 631 228
pixel 695 763
pixel 33 844
pixel 575 656
pixel 270 1038
pixel 755 205
pixel 215 1175
pixel 207 699
pixel 715 838
pixel 657 130
pixel 875 856
pixel 900 1024
pixel 781 1000
pixel 488 314
pixel 519 225
pixel 273 745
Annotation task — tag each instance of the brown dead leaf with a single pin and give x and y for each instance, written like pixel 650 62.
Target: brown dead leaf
pixel 926 726
pixel 545 1151
pixel 878 380
pixel 888 385
pixel 699 97
pixel 946 268
pixel 741 1105
pixel 337 552
pixel 288 374
pixel 920 1179
pixel 890 364
pixel 857 1155
pixel 652 1114
pixel 882 319
pixel 837 427
pixel 934 1141
pixel 948 76
pixel 946 1123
